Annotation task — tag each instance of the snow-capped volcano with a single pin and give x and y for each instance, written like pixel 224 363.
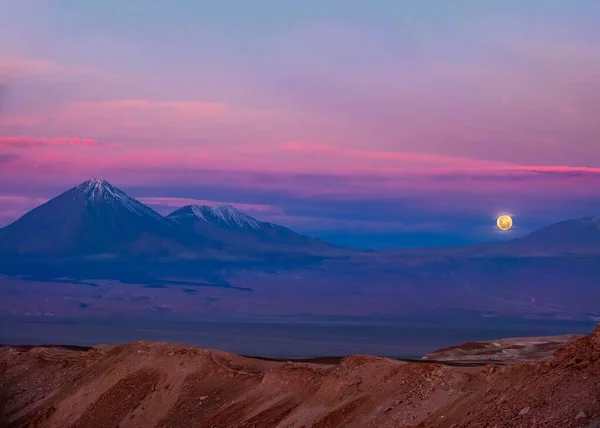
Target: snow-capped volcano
pixel 93 217
pixel 227 224
pixel 97 192
pixel 222 215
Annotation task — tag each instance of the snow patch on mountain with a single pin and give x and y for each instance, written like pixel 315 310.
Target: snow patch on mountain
pixel 97 190
pixel 220 214
pixel 590 221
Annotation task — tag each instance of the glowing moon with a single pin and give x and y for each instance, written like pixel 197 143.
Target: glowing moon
pixel 504 222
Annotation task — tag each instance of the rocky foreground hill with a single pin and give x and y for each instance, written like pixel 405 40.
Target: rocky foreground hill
pixel 145 384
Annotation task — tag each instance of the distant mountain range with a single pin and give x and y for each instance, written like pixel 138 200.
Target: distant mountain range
pixel 224 223
pixel 98 218
pixel 575 234
pixel 105 252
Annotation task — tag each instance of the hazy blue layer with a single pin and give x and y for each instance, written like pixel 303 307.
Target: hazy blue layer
pixel 280 337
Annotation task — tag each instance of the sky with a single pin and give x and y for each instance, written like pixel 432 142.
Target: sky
pixel 386 123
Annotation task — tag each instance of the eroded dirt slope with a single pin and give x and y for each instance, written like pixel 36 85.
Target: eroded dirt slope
pixel 164 385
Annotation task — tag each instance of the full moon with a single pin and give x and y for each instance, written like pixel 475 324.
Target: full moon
pixel 504 222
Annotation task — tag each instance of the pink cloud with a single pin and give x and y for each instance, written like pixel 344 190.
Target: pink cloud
pixel 21 200
pixel 335 172
pixel 18 120
pixel 28 142
pixel 16 66
pixel 491 189
pixel 439 146
pixel 14 206
pixel 405 160
pixel 558 169
pixel 166 108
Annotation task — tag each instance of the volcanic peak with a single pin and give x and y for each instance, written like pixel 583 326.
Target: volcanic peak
pixel 99 191
pixel 220 214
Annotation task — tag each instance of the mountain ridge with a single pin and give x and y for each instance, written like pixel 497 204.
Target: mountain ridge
pixel 235 227
pixel 96 204
pixel 583 231
pixel 93 217
pixel 83 238
pixel 96 217
pixel 223 213
pixel 161 385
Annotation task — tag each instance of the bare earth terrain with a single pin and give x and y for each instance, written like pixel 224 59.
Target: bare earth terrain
pixel 146 384
pixel 503 351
